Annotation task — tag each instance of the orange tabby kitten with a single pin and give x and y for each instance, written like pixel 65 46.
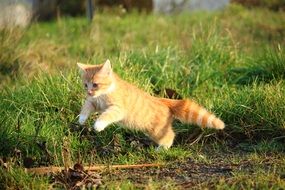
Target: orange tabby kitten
pixel 121 102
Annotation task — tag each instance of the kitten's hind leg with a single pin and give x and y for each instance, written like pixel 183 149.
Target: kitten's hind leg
pixel 163 136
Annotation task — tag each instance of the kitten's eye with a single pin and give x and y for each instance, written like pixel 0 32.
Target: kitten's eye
pixel 85 85
pixel 95 85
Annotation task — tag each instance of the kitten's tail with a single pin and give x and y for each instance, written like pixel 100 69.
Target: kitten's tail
pixel 190 112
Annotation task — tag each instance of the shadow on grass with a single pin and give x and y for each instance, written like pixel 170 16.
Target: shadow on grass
pixel 266 68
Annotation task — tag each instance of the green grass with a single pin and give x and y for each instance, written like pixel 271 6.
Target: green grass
pixel 231 61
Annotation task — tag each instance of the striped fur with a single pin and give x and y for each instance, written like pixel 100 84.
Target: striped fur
pixel 121 102
pixel 190 112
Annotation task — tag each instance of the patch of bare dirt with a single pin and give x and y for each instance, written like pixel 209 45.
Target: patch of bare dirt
pixel 184 174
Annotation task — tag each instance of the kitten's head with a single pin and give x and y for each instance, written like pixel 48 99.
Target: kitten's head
pixel 97 79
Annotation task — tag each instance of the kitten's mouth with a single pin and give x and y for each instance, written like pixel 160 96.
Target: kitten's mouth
pixel 90 93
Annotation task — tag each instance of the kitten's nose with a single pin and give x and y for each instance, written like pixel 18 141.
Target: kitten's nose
pixel 89 92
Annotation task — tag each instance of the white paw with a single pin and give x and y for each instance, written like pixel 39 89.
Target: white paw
pixel 82 119
pixel 100 125
pixel 158 148
pixel 161 148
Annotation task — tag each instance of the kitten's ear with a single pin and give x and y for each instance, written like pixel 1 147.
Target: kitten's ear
pixel 106 68
pixel 82 67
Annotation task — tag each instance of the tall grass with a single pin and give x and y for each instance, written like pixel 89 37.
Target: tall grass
pixel 9 40
pixel 263 68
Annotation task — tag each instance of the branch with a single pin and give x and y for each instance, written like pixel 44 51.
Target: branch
pixel 54 169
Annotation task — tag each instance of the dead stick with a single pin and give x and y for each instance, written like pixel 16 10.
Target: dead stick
pixel 54 169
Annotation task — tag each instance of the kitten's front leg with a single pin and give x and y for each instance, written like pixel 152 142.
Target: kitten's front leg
pixel 111 115
pixel 86 109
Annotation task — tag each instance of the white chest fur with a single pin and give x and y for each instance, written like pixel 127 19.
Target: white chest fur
pixel 100 103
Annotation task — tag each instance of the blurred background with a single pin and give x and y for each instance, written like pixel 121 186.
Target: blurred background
pixel 23 12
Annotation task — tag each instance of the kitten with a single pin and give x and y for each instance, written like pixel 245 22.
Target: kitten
pixel 121 102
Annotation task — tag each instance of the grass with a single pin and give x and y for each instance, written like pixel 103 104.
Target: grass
pixel 231 61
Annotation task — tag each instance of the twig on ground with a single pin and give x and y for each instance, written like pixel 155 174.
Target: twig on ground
pixel 54 169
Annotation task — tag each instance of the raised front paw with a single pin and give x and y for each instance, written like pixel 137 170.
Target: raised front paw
pixel 100 125
pixel 82 119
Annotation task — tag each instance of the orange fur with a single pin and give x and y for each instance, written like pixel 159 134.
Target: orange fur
pixel 190 112
pixel 119 101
